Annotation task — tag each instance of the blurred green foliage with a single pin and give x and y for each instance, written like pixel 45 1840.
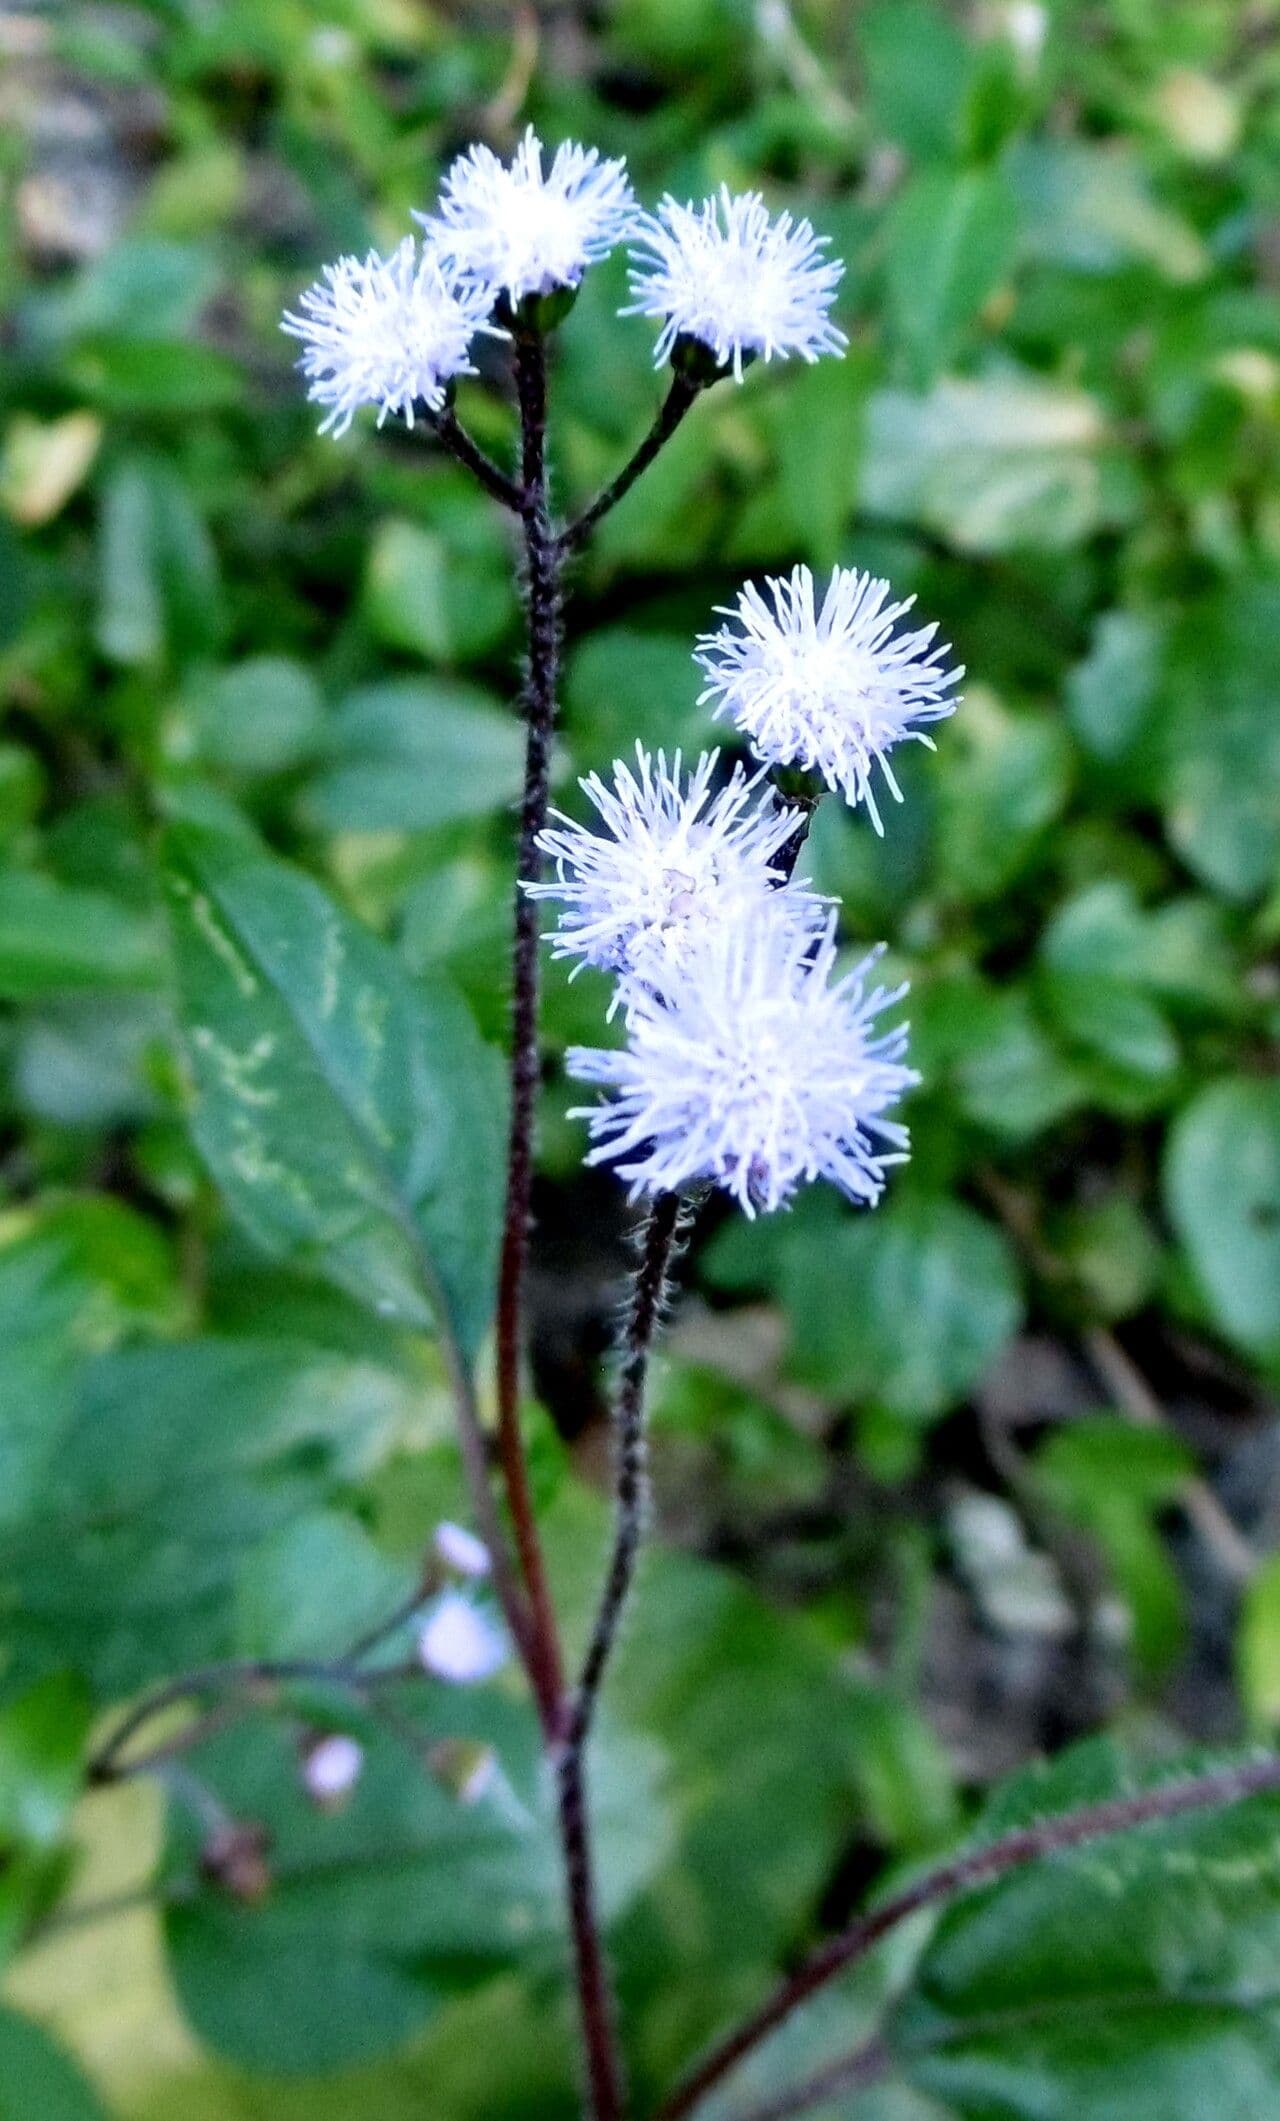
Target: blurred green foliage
pixel 223 1429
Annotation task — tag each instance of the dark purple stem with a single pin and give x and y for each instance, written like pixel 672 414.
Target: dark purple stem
pixel 452 436
pixel 683 393
pixel 542 595
pixel 1032 1844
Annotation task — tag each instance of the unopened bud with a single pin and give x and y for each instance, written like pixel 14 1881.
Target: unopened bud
pixel 235 1858
pixel 331 1768
pixel 460 1643
pixel 460 1550
pixel 463 1767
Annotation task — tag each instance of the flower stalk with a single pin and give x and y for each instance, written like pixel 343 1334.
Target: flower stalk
pixel 543 599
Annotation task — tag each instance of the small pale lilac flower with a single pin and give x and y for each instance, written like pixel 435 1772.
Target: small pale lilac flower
pixel 833 689
pixel 526 232
pixel 461 1551
pixel 391 332
pixel 755 1071
pixel 677 858
pixel 459 1642
pixel 740 282
pixel 331 1768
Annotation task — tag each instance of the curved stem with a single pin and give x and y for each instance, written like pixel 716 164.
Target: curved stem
pixel 452 435
pixel 682 394
pixel 542 595
pixel 630 1446
pixel 1031 1844
pixel 248 1673
pixel 630 1492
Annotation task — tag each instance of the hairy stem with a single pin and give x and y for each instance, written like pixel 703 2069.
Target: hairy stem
pixel 630 1489
pixel 683 393
pixel 451 435
pixel 630 1454
pixel 542 596
pixel 596 2013
pixel 1031 1844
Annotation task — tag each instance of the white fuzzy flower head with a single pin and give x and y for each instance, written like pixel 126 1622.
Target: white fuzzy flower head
pixel 677 858
pixel 833 689
pixel 459 1642
pixel 391 332
pixel 743 284
pixel 755 1071
pixel 524 231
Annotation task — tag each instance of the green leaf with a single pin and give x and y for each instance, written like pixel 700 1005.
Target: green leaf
pixel 622 685
pixel 1007 779
pixel 158 377
pixel 985 1047
pixel 1258 1646
pixel 952 236
pixel 1111 694
pixel 1222 1185
pixel 36 2078
pixel 1221 739
pixel 352 1119
pixel 55 939
pixel 994 463
pixel 76 1278
pixel 1114 1480
pixel 1089 206
pixel 905 1306
pixel 42 1739
pixel 260 716
pixel 158 589
pixel 1129 1980
pixel 423 596
pixel 121 1556
pixel 817 422
pixel 407 1896
pixel 1104 1019
pixel 408 755
pixel 917 64
pixel 315 1587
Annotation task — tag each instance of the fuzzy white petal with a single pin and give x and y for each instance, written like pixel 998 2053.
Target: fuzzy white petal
pixel 833 688
pixel 755 1071
pixel 740 282
pixel 390 332
pixel 677 857
pixel 526 231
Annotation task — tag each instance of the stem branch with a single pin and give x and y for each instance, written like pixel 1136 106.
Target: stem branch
pixel 683 393
pixel 1031 1844
pixel 630 1455
pixel 452 435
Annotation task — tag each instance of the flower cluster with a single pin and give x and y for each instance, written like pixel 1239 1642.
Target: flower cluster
pixel 750 1062
pixel 395 332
